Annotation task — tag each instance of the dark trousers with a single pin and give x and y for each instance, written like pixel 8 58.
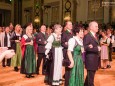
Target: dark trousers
pixel 110 55
pixel 67 70
pixel 65 53
pixel 113 49
pixel 89 81
pixel 67 76
pixel 8 61
pixel 40 57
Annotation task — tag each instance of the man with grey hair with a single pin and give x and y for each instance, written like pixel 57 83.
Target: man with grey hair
pixel 92 48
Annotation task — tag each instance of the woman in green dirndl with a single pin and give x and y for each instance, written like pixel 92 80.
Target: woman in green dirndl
pixel 28 65
pixel 54 73
pixel 16 45
pixel 75 49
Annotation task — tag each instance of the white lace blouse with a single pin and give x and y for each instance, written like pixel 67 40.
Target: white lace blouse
pixel 72 43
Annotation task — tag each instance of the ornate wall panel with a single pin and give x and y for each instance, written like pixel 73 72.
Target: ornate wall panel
pixel 95 11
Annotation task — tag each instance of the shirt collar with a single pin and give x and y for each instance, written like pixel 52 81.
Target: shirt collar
pixel 43 33
pixel 68 30
pixel 110 34
pixel 79 40
pixel 92 33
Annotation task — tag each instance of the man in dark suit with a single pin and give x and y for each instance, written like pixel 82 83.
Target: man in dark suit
pixel 92 48
pixel 66 35
pixel 41 41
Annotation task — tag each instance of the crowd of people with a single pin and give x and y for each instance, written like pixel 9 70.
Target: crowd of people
pixel 71 46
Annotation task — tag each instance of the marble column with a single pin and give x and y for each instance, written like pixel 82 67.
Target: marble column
pixel 74 10
pixel 110 12
pixel 17 12
pixel 113 13
pixel 41 11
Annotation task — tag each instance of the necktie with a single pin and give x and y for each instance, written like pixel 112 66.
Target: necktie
pixel 44 36
pixel 95 36
pixel 71 32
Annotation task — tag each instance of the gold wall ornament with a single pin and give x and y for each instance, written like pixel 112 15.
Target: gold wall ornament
pixel 68 5
pixel 95 10
pixel 95 5
pixel 37 20
pixel 67 18
pixel 67 13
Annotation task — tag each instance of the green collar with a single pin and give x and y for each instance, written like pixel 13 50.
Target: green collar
pixel 67 31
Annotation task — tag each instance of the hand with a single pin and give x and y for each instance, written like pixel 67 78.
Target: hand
pixel 17 41
pixel 2 49
pixel 66 43
pixel 47 56
pixel 90 46
pixel 99 48
pixel 31 43
pixel 101 43
pixel 46 52
pixel 82 49
pixel 71 65
pixel 45 42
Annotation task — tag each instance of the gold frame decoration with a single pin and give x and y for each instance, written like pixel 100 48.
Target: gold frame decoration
pixel 67 16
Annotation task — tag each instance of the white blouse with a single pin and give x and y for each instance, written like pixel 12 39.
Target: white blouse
pixel 50 41
pixel 72 43
pixel 8 40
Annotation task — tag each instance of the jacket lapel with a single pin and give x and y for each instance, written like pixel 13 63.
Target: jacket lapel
pixel 43 35
pixel 68 32
pixel 96 40
pixel 5 40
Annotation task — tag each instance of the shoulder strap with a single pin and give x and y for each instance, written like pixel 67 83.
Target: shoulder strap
pixel 53 37
pixel 13 34
pixel 106 40
pixel 32 36
pixel 75 42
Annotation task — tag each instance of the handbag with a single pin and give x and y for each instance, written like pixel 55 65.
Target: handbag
pixel 46 66
pixel 66 62
pixel 50 54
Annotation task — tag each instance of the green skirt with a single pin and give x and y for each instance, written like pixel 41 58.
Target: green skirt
pixel 77 72
pixel 28 65
pixel 16 60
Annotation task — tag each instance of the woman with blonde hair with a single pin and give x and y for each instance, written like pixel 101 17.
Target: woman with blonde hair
pixel 54 76
pixel 28 65
pixel 16 45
